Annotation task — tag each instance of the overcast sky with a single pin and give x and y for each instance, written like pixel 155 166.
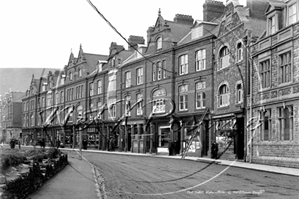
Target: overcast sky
pixel 39 34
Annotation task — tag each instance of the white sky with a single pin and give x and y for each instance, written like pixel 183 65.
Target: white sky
pixel 38 34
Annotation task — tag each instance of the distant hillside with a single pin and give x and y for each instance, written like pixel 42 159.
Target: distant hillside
pixel 18 79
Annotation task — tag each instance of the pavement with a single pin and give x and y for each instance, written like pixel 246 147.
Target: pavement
pixel 80 172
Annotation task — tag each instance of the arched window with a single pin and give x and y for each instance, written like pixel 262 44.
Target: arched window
pixel 239 52
pixel 70 76
pixel 159 43
pixel 223 96
pixel 79 72
pixel 139 109
pixel 239 93
pixel 159 101
pixel 223 58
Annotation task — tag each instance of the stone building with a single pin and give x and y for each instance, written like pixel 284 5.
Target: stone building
pixel 10 116
pixel 274 97
pixel 238 25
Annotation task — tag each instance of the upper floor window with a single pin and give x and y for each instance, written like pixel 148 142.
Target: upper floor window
pixel 127 79
pixel 139 109
pixel 200 85
pixel 99 105
pixel 91 88
pixel 239 93
pixel 292 14
pixel 272 25
pixel 224 58
pixel 223 96
pixel 183 98
pixel 112 83
pixel 140 76
pixel 56 98
pixel 113 111
pixel 80 72
pixel 285 68
pixel 62 97
pixel 265 73
pixel 183 64
pixel 159 43
pixel 49 99
pixel 70 76
pixel 159 101
pixel 200 95
pixel 239 52
pixel 201 60
pixel 197 32
pixel 32 120
pixel 127 105
pixel 99 86
pixel 164 69
pixel 153 72
pixel 159 71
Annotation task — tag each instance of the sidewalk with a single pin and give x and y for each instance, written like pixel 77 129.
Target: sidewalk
pixel 246 165
pixel 78 174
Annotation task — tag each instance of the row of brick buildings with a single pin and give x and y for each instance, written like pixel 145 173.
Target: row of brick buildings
pixel 231 78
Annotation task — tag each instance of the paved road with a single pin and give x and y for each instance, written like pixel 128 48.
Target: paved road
pixel 148 177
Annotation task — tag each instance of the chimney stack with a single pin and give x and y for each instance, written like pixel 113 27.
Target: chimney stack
pixel 184 19
pixel 134 41
pixel 212 10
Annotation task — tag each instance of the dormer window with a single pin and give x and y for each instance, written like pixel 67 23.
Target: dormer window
pixel 292 14
pixel 79 72
pixel 272 25
pixel 197 32
pixel 159 43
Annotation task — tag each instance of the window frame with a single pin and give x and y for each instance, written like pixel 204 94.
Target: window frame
pixel 280 65
pixel 290 5
pixel 222 96
pixel 139 109
pixel 127 79
pixel 139 76
pixel 99 86
pixel 159 43
pixel 200 63
pixel 224 57
pixel 286 135
pixel 239 52
pixel 183 61
pixel 265 74
pixel 183 97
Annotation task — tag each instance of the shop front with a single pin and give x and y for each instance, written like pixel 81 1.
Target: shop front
pixel 229 136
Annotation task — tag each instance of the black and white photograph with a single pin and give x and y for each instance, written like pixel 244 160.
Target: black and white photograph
pixel 193 99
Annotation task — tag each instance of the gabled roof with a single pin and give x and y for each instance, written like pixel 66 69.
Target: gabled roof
pixel 206 31
pixel 274 4
pixel 178 30
pixel 92 61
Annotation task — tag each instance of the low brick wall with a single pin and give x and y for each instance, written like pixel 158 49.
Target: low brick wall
pixel 28 182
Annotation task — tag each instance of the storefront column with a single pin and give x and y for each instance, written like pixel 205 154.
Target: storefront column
pixel 121 138
pixel 99 137
pixel 108 139
pixel 182 139
pixel 104 138
pixel 74 137
pixel 152 138
pixel 139 130
pixel 132 137
pixel 126 138
pixel 210 132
